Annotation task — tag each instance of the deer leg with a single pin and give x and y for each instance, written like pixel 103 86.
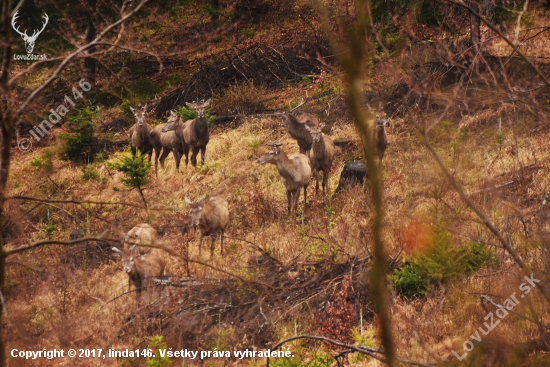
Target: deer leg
pixel 133 151
pixel 222 243
pixel 157 153
pixel 186 153
pixel 212 246
pixel 305 197
pixel 296 199
pixel 194 156
pixel 163 156
pixel 288 199
pixel 200 243
pixel 316 174
pixel 325 180
pixel 177 158
pixel 203 152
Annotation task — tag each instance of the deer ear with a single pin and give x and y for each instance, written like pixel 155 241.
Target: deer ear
pixel 116 250
pixel 172 113
pixel 188 201
pixel 133 111
pixel 207 102
pixel 145 107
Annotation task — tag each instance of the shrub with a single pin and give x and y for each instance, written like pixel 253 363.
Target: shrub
pixel 409 281
pixel 157 342
pixel 478 256
pixel 443 262
pixel 242 99
pixel 340 315
pixel 45 161
pixel 78 144
pixel 190 114
pixel 90 173
pixel 135 171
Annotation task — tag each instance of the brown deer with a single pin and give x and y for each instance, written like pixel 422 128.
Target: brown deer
pixel 195 132
pixel 141 269
pixel 210 215
pixel 379 137
pixel 295 171
pixel 140 133
pixel 322 156
pixel 169 141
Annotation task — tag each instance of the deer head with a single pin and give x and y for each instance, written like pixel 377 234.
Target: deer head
pixel 29 40
pixel 199 107
pixel 140 114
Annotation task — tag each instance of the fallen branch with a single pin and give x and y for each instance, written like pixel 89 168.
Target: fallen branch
pixel 372 352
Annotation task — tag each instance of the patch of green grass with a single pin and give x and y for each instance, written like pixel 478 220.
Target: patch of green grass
pixel 174 79
pixel 45 161
pixel 90 173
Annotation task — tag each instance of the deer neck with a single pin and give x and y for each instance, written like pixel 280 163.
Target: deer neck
pixel 285 166
pixel 380 133
pixel 201 127
pixel 319 146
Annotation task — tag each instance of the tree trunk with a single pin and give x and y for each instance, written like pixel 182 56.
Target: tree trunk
pixel 353 173
pixel 89 62
pixel 7 127
pixel 214 13
pixel 475 23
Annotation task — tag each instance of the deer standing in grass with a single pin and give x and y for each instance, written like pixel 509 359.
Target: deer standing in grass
pixel 210 215
pixel 170 141
pixel 322 156
pixel 195 132
pixel 295 171
pixel 379 136
pixel 141 269
pixel 140 133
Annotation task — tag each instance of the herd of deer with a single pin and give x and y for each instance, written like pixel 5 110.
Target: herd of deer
pixel 210 215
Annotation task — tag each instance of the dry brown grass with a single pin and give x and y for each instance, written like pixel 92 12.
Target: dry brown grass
pixel 69 303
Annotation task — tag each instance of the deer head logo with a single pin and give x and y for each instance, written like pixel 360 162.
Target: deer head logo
pixel 29 40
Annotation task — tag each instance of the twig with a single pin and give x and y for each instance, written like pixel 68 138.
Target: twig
pixel 372 352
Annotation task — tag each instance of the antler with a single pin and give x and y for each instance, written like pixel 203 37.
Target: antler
pixel 17 29
pixel 304 101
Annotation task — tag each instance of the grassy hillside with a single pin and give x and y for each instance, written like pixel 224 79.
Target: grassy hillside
pixel 283 276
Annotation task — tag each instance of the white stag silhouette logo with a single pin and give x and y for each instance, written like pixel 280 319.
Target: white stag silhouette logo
pixel 29 40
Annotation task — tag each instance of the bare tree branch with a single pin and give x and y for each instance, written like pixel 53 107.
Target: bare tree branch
pixel 510 43
pixel 72 55
pixel 372 352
